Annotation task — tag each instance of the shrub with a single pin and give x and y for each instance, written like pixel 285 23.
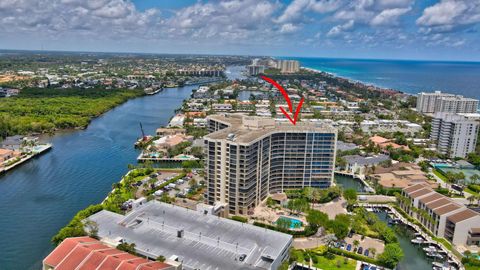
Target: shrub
pixel 240 219
pixel 75 227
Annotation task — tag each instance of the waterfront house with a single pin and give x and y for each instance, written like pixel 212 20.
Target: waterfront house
pixel 170 131
pixel 358 165
pixel 6 154
pixel 13 142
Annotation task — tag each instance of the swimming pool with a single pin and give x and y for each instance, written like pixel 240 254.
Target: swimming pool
pixel 294 223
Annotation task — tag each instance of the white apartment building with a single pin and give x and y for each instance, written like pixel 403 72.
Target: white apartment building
pixel 455 135
pixel 385 125
pixel 441 215
pixel 443 102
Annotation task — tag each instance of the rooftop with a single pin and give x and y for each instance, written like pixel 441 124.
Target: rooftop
pixel 208 241
pixel 248 129
pixel 463 215
pixel 88 254
pixel 370 160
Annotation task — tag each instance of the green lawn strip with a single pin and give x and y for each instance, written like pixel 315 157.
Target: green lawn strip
pixel 468 190
pixel 440 175
pixel 337 263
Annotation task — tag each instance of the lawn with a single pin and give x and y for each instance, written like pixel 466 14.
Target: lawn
pixel 335 263
pixel 338 263
pixel 440 175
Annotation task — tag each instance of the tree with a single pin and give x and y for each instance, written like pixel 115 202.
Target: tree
pixel 356 243
pixel 283 224
pixel 475 178
pixel 391 255
pixel 91 227
pixel 161 258
pixel 317 219
pixel 298 205
pixel 350 195
pixel 130 248
pixel 340 229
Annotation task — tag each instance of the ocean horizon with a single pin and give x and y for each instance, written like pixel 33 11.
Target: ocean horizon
pixel 408 76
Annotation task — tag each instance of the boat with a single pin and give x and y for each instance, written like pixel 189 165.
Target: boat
pixel 430 249
pixel 151 91
pixel 418 240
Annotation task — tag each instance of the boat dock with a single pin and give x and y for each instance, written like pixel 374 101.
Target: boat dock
pixel 419 233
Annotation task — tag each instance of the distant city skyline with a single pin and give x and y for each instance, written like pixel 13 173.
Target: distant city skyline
pixel 370 29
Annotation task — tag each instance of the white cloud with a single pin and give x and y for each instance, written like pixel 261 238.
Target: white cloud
pixel 232 20
pixel 288 28
pixel 338 29
pixel 100 18
pixel 296 9
pixel 389 16
pixel 449 15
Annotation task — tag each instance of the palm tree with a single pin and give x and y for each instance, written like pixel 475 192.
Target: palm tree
pixel 475 178
pixel 470 199
pixel 355 243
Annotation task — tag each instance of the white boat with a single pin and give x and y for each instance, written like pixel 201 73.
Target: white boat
pixel 430 249
pixel 418 240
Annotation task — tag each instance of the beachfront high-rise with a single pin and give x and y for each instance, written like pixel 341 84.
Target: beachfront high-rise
pixel 443 102
pixel 248 158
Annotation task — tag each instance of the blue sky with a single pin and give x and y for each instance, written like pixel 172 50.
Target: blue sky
pixel 388 29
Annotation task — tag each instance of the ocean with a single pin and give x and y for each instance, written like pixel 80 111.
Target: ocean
pixel 409 76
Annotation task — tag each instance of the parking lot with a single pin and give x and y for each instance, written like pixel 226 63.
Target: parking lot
pixel 366 244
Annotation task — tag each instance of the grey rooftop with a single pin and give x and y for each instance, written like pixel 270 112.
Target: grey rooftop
pixel 370 160
pixel 208 242
pixel 248 129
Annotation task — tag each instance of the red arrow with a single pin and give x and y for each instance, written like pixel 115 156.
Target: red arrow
pixel 287 98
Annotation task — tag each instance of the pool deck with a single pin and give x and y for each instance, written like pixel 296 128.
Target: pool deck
pixel 140 158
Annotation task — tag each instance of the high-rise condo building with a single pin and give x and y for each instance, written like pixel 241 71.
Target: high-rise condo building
pixel 455 135
pixel 288 66
pixel 443 102
pixel 248 158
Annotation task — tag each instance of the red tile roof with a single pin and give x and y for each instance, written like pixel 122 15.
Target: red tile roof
pixel 86 253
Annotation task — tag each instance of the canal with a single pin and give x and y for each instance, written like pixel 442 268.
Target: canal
pixel 414 256
pixel 42 195
pixel 348 182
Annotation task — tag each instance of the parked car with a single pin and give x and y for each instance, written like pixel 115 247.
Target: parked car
pixel 360 250
pixel 366 252
pixel 349 247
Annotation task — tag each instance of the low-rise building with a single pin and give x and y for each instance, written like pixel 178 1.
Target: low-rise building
pixel 222 107
pixel 90 254
pixel 198 240
pixel 441 215
pixel 358 165
pixel 385 144
pixel 400 175
pixel 6 154
pixel 382 125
